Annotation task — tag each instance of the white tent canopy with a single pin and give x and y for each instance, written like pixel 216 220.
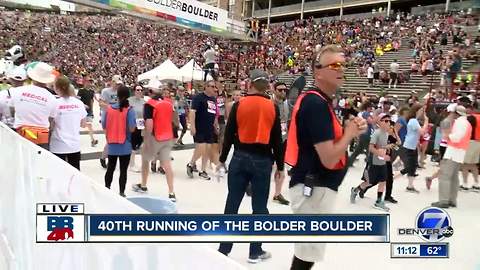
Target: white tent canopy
pixel 166 71
pixel 191 71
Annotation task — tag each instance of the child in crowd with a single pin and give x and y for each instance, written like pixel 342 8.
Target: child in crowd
pixel 377 163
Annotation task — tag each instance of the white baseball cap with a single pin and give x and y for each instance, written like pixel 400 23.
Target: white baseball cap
pixel 154 84
pixel 451 107
pixel 17 74
pixel 41 72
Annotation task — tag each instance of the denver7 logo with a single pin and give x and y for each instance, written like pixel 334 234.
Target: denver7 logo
pixel 437 220
pixel 61 228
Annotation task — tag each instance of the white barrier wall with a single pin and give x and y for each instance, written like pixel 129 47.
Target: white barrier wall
pixel 31 175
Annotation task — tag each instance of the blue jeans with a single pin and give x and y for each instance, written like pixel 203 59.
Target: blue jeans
pixel 248 168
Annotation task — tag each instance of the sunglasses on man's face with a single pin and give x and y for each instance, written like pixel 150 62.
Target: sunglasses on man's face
pixel 334 66
pixel 282 89
pixel 386 121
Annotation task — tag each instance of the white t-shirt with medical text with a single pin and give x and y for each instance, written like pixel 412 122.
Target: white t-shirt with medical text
pixel 33 106
pixel 65 138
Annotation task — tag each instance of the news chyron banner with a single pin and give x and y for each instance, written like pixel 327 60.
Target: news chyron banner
pixel 190 13
pixel 70 223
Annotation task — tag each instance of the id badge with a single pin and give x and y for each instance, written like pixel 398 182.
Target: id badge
pixel 140 124
pixel 284 128
pixel 307 191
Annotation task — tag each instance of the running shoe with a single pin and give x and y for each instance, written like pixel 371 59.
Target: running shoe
pixel 103 163
pixel 381 206
pixel 391 200
pixel 463 188
pixel 123 194
pixel 139 188
pixel 153 166
pixel 134 169
pixel 475 188
pixel 194 167
pixel 281 200
pixel 265 255
pixel 172 197
pixel 94 143
pixel 204 175
pixel 441 204
pixel 361 193
pixel 190 170
pixel 412 190
pixel 353 195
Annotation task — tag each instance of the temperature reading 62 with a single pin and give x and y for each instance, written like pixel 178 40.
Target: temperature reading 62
pixel 433 250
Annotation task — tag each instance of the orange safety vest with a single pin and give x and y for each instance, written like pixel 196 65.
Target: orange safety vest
pixel 255 118
pixel 162 119
pixel 116 126
pixel 464 142
pixel 476 134
pixel 291 154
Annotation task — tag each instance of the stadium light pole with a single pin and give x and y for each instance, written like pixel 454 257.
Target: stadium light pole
pixel 269 13
pixel 447 4
pixel 389 6
pixel 253 7
pixel 341 9
pixel 301 10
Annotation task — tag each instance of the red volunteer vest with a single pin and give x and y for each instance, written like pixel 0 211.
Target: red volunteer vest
pixel 255 119
pixel 476 136
pixel 162 119
pixel 291 154
pixel 116 127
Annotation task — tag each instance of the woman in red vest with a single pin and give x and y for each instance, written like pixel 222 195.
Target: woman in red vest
pixel 119 122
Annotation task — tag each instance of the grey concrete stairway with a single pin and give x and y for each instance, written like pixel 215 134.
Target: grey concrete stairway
pixel 354 83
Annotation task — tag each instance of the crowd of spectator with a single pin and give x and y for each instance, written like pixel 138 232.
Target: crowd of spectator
pixel 101 45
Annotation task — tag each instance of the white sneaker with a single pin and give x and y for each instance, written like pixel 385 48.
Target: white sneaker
pixel 220 174
pixel 134 169
pixel 262 257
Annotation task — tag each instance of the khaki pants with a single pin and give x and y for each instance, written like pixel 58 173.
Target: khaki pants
pixel 448 181
pixel 321 202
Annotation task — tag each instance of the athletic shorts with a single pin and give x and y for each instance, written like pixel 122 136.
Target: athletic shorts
pixel 377 174
pixel 155 150
pixel 410 162
pixel 472 156
pixel 393 76
pixel 205 138
pixel 322 201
